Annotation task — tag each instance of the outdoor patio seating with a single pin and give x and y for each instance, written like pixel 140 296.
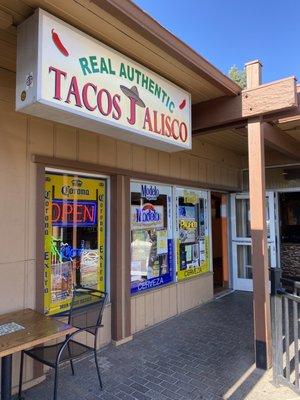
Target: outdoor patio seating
pixel 85 314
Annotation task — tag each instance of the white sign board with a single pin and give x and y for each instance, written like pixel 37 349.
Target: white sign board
pixel 66 76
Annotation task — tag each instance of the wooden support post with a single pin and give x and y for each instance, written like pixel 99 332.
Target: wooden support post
pixel 120 259
pixel 261 298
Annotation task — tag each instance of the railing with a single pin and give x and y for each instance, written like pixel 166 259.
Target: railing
pixel 285 301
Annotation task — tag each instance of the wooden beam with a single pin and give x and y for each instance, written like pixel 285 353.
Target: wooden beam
pixel 259 248
pixel 6 20
pixel 120 259
pixel 253 73
pixel 261 302
pixel 281 141
pixel 270 98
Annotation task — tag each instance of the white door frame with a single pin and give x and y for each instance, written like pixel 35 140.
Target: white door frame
pixel 244 283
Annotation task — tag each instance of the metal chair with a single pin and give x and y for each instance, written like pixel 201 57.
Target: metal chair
pixel 85 314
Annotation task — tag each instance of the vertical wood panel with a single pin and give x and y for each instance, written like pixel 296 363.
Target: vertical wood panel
pixel 140 313
pixel 138 158
pixel 87 146
pixel 65 142
pixel 41 137
pixel 202 171
pixel 194 162
pixel 185 168
pixel 210 172
pixel 157 305
pixel 12 286
pixel 133 311
pixel 174 165
pixel 152 161
pixel 124 155
pixel 149 309
pixel 30 285
pixel 107 151
pixel 217 174
pixel 165 303
pixel 163 163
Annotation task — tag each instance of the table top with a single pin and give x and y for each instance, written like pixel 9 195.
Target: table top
pixel 38 329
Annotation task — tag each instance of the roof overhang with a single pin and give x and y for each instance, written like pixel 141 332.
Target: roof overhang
pixel 141 22
pixel 123 26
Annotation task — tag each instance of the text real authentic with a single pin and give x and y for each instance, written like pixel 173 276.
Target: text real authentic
pixel 102 65
pixel 100 100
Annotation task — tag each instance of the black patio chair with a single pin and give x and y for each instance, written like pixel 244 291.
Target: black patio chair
pixel 85 314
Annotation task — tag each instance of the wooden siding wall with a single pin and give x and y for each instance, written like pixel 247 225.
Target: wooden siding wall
pixel 275 180
pixel 21 136
pixel 158 305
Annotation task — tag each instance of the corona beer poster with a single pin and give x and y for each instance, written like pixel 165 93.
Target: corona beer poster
pixel 74 237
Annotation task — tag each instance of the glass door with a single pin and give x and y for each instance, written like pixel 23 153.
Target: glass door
pixel 241 238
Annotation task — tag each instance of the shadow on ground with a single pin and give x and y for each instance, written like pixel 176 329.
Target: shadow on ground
pixel 206 353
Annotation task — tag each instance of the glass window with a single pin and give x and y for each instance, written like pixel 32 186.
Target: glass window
pixel 244 261
pixel 151 236
pixel 243 228
pixel 243 217
pixel 191 233
pixel 74 236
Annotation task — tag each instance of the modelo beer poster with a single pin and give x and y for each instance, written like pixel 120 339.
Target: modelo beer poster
pixel 67 76
pixel 74 237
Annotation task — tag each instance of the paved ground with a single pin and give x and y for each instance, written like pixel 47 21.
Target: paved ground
pixel 206 354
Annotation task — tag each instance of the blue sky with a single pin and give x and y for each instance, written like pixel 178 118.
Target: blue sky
pixel 228 32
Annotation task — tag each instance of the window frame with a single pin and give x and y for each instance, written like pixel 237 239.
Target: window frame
pixel 42 170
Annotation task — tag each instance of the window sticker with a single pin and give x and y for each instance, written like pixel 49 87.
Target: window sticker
pixel 74 237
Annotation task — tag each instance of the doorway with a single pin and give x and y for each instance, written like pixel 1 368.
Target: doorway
pixel 289 234
pixel 241 238
pixel 219 228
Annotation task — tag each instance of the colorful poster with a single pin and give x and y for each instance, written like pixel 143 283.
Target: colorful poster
pixel 192 249
pixel 74 237
pixel 151 236
pixel 147 217
pixel 162 241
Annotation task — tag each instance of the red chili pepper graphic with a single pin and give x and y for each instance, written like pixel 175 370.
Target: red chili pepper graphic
pixel 58 43
pixel 182 104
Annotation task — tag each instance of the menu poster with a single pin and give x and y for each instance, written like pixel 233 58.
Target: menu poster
pixel 162 241
pixel 192 239
pixel 89 267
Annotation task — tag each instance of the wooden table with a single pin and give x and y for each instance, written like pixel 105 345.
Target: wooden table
pixel 38 329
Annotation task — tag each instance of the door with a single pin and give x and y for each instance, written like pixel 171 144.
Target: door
pixel 241 238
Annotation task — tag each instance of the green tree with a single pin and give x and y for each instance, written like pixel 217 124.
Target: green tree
pixel 238 76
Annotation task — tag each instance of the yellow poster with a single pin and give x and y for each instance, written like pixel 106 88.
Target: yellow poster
pixel 200 253
pixel 74 237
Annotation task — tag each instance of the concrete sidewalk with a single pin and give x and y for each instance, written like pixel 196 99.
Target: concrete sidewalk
pixel 206 354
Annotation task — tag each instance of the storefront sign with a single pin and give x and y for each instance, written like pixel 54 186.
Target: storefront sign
pixel 68 213
pixel 66 76
pixel 147 217
pixel 149 192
